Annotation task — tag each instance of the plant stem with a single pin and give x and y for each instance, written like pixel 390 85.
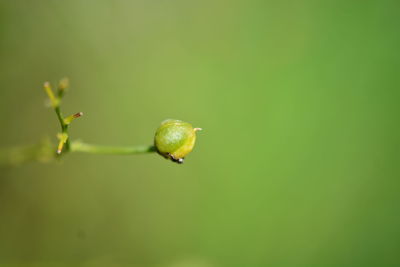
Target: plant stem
pixel 78 146
pixel 64 127
pixel 45 152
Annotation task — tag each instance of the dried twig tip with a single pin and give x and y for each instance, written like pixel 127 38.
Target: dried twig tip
pixel 77 115
pixel 46 84
pixel 63 137
pixel 69 119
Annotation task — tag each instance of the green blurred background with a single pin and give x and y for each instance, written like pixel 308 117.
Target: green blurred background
pixel 298 163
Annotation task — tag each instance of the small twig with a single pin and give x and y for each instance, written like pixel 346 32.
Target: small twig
pixel 165 139
pixel 45 151
pixel 64 122
pixel 78 146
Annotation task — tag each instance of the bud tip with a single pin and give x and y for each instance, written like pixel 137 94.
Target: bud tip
pixel 77 115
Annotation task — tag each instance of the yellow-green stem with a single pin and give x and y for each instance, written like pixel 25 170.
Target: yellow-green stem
pixel 46 152
pixel 78 146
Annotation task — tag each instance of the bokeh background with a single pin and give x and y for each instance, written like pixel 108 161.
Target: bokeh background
pixel 298 163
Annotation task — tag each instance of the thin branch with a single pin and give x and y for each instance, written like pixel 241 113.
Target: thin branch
pixel 78 146
pixel 45 151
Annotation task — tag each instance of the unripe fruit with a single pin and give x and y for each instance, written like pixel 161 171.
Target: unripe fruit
pixel 175 139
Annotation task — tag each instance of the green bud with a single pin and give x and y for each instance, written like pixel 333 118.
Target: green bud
pixel 175 139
